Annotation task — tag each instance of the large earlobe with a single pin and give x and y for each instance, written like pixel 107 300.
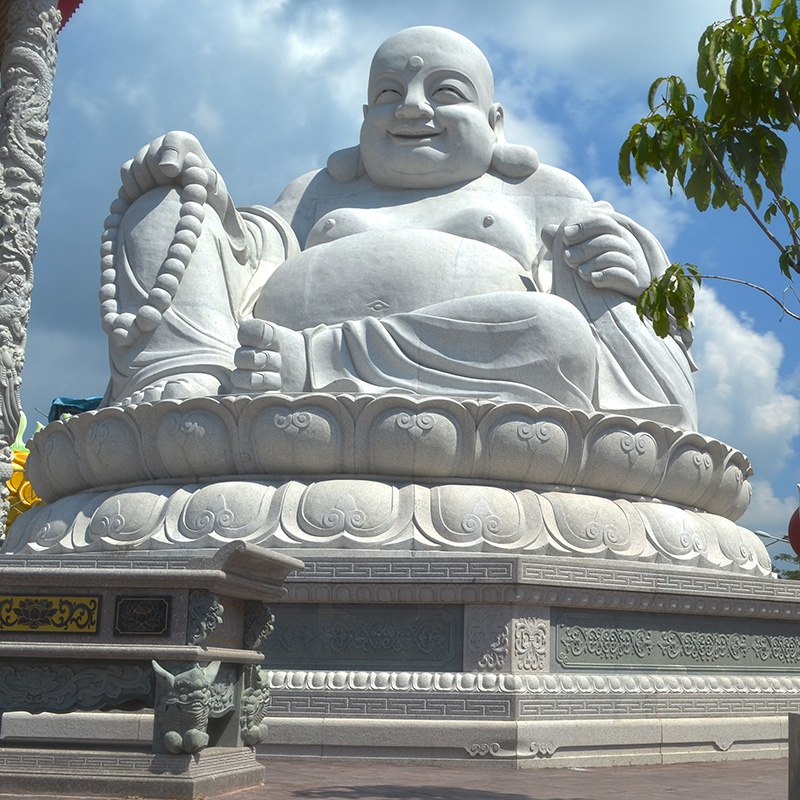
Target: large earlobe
pixel 365 109
pixel 514 160
pixel 345 165
pixel 510 160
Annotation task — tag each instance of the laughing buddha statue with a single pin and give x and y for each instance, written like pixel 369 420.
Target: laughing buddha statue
pixel 434 258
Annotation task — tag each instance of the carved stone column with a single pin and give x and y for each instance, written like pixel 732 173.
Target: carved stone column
pixel 26 83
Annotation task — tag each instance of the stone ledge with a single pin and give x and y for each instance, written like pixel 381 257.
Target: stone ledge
pixel 128 773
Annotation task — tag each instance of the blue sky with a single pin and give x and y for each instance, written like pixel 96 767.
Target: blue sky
pixel 271 87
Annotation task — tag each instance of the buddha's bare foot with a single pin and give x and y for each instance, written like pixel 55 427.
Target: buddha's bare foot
pixel 180 387
pixel 271 358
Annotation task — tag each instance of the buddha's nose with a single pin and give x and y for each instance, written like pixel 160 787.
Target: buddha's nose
pixel 414 106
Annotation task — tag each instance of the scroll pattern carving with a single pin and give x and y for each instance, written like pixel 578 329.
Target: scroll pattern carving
pixel 584 646
pixel 494 659
pixel 205 613
pixel 27 79
pixel 495 750
pixel 31 686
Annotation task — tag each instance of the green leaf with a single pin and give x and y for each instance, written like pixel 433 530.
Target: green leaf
pixel 698 187
pixel 624 161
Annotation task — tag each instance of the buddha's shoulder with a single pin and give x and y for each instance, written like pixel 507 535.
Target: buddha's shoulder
pixel 552 181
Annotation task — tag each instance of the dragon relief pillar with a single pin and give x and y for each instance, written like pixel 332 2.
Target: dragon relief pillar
pixel 26 83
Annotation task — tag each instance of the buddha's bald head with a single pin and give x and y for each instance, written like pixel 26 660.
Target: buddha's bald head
pixel 429 45
pixel 430 120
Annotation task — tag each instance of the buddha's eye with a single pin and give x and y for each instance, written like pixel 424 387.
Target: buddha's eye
pixel 449 93
pixel 387 95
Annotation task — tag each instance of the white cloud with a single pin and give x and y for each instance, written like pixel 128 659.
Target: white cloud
pixel 768 512
pixel 741 397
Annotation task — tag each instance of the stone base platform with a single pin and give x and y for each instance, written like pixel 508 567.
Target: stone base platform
pixel 527 662
pixel 125 773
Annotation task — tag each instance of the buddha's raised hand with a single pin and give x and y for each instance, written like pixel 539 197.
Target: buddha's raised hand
pixel 166 160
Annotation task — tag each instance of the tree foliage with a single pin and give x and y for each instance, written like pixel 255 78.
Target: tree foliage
pixel 728 149
pixel 790 573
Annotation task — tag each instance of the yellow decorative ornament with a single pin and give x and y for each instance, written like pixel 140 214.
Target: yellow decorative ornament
pixel 21 495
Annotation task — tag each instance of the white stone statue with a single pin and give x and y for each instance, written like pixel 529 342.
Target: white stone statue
pixel 436 259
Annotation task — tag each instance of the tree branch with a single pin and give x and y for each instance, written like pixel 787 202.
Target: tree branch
pixel 777 301
pixel 742 199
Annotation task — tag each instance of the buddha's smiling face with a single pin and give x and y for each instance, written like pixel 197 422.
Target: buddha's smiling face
pixel 429 122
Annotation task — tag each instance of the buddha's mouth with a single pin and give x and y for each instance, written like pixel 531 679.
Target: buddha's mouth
pixel 413 136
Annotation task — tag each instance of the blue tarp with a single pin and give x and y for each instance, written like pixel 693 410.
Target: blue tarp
pixel 71 405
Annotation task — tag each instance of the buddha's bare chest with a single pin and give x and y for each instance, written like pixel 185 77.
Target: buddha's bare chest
pixel 478 216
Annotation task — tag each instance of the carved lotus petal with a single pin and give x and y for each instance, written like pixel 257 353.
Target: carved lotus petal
pixel 732 496
pixel 483 517
pixel 194 439
pixel 53 471
pixel 675 534
pixel 129 516
pixel 397 436
pixel 279 435
pixel 692 470
pixel 220 512
pixel 39 529
pixel 741 546
pixel 111 447
pixel 330 512
pixel 590 526
pixel 522 447
pixel 621 459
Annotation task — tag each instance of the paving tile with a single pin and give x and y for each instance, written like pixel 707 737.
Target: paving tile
pixel 303 779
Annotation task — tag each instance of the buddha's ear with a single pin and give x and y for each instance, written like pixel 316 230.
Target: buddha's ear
pixel 345 165
pixel 497 121
pixel 510 160
pixel 365 108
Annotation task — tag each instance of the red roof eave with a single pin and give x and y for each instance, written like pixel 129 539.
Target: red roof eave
pixel 67 9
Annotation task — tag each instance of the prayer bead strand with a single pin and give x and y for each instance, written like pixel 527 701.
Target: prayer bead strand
pixel 125 328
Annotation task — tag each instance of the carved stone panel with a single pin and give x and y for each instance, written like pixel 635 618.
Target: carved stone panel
pixel 594 640
pixel 59 686
pixel 365 637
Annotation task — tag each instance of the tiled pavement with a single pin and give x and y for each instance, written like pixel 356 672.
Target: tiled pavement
pixel 342 780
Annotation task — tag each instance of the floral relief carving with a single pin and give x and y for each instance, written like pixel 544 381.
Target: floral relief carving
pixel 205 613
pixel 66 686
pixel 604 643
pixel 784 649
pixel 530 644
pixel 584 645
pixel 702 646
pixel 494 659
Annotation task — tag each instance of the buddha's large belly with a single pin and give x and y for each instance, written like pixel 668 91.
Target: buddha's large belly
pixel 377 273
